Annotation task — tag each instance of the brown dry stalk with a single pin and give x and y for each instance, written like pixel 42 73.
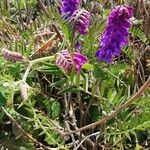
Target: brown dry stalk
pixel 103 121
pixel 48 44
pixel 58 32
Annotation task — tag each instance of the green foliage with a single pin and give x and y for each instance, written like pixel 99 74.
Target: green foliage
pixel 139 33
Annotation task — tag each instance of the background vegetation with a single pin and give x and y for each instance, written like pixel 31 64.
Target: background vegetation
pixel 57 104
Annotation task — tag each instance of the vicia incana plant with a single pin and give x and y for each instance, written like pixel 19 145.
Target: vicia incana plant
pixel 79 60
pixel 64 61
pixel 53 89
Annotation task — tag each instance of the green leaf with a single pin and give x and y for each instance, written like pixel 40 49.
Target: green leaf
pixel 61 82
pixel 55 109
pixel 2 100
pixel 139 33
pixel 127 135
pixel 15 69
pixel 106 13
pixel 88 66
pixel 70 89
pixel 51 71
pixel 138 147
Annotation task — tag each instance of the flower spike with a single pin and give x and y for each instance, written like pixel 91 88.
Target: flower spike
pixel 115 36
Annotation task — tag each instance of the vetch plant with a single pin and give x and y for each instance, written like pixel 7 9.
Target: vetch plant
pixel 61 97
pixel 79 60
pixel 23 91
pixel 64 61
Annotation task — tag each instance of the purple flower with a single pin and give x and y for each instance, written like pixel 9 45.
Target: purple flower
pixel 67 62
pixel 79 60
pixel 68 7
pixel 81 20
pixel 116 34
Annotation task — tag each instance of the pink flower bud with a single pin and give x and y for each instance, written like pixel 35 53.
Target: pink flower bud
pixel 12 56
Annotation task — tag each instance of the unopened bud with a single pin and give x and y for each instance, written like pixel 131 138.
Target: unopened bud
pixel 23 91
pixel 12 56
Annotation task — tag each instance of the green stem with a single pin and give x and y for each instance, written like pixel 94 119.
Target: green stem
pixel 33 62
pixel 43 59
pixel 27 72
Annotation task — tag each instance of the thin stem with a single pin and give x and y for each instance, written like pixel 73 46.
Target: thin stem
pixel 116 77
pixel 27 72
pixel 94 95
pixel 42 59
pixel 58 32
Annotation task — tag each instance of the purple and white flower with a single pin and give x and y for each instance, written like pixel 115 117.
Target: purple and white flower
pixel 81 21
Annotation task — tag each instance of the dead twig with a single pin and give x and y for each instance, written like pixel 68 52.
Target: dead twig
pixel 58 32
pixel 86 137
pixel 66 116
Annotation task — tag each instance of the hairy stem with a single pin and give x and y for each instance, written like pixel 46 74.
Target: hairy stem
pixel 33 62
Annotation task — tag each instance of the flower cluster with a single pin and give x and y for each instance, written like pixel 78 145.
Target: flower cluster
pixel 67 62
pixel 81 20
pixel 64 61
pixel 116 34
pixel 68 7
